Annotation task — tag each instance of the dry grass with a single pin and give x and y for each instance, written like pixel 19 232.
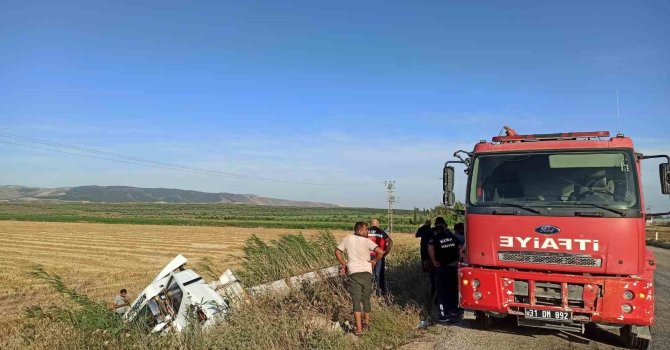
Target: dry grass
pixel 99 259
pixel 663 233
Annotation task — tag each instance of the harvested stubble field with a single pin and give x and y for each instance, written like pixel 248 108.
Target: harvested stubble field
pixel 100 259
pixel 663 232
pixel 660 232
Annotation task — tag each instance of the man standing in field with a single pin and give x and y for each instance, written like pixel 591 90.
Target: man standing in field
pixel 459 232
pixel 384 241
pixel 424 233
pixel 444 253
pixel 359 268
pixel 428 267
pixel 121 304
pixel 423 230
pixel 426 262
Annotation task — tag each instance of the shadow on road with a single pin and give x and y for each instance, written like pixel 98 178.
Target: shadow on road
pixel 409 285
pixel 593 334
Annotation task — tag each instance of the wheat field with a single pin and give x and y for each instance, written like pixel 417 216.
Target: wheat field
pixel 663 233
pixel 100 259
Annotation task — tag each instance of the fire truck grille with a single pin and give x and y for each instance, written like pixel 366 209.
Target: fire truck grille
pixel 549 258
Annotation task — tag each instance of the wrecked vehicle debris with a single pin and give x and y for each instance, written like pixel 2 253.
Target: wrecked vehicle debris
pixel 165 303
pixel 179 295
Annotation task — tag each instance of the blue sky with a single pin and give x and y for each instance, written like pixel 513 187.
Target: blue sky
pixel 337 92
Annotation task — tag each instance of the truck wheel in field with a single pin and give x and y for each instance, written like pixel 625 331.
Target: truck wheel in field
pixel 482 320
pixel 638 338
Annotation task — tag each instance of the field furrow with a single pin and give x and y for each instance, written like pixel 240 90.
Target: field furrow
pixel 100 259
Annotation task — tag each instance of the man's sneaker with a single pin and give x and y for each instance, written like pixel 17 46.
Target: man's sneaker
pixel 443 320
pixel 423 324
pixel 455 316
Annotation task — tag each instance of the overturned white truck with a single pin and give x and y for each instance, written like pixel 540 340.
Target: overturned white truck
pixel 179 295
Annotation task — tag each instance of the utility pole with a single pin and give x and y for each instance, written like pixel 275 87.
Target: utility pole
pixel 390 189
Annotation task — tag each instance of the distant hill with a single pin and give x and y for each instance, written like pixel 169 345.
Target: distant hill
pixel 125 194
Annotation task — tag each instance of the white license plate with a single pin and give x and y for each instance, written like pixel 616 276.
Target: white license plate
pixel 548 314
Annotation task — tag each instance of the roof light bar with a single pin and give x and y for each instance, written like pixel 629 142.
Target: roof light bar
pixel 557 136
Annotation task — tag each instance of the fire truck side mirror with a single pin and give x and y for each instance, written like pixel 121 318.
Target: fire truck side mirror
pixel 448 179
pixel 664 170
pixel 449 198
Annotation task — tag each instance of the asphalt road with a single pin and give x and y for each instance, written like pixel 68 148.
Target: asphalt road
pixel 505 335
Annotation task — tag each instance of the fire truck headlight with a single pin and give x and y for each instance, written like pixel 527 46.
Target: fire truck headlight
pixel 475 283
pixel 628 295
pixel 627 308
pixel 465 282
pixel 477 295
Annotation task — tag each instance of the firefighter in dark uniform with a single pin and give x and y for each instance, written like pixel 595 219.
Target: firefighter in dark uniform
pixel 444 254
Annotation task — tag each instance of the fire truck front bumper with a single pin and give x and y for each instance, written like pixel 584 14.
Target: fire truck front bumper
pixel 558 297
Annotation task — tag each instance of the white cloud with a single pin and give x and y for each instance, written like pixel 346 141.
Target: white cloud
pixel 335 158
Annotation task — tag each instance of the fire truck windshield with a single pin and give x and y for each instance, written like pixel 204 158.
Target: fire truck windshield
pixel 605 179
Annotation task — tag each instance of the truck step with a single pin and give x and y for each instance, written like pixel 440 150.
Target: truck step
pixel 573 327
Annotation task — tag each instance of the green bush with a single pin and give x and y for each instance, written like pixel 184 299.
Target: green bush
pixel 291 255
pixel 204 215
pixel 80 311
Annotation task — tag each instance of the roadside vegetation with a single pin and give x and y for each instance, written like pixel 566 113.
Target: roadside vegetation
pixel 309 317
pixel 234 215
pixel 660 231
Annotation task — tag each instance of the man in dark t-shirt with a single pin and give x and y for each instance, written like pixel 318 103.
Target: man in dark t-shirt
pixel 424 232
pixel 444 254
pixel 423 229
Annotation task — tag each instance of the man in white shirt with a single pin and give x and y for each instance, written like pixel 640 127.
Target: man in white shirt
pixel 359 268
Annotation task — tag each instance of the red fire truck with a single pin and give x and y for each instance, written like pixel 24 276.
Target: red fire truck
pixel 555 232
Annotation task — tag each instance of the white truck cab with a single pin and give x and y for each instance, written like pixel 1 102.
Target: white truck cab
pixel 176 296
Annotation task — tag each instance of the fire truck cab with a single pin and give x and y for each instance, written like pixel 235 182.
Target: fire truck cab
pixel 555 232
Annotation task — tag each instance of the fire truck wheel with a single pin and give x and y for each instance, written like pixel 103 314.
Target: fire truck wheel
pixel 632 340
pixel 482 320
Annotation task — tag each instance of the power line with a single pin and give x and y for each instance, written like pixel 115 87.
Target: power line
pixel 139 161
pixel 121 158
pixel 82 154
